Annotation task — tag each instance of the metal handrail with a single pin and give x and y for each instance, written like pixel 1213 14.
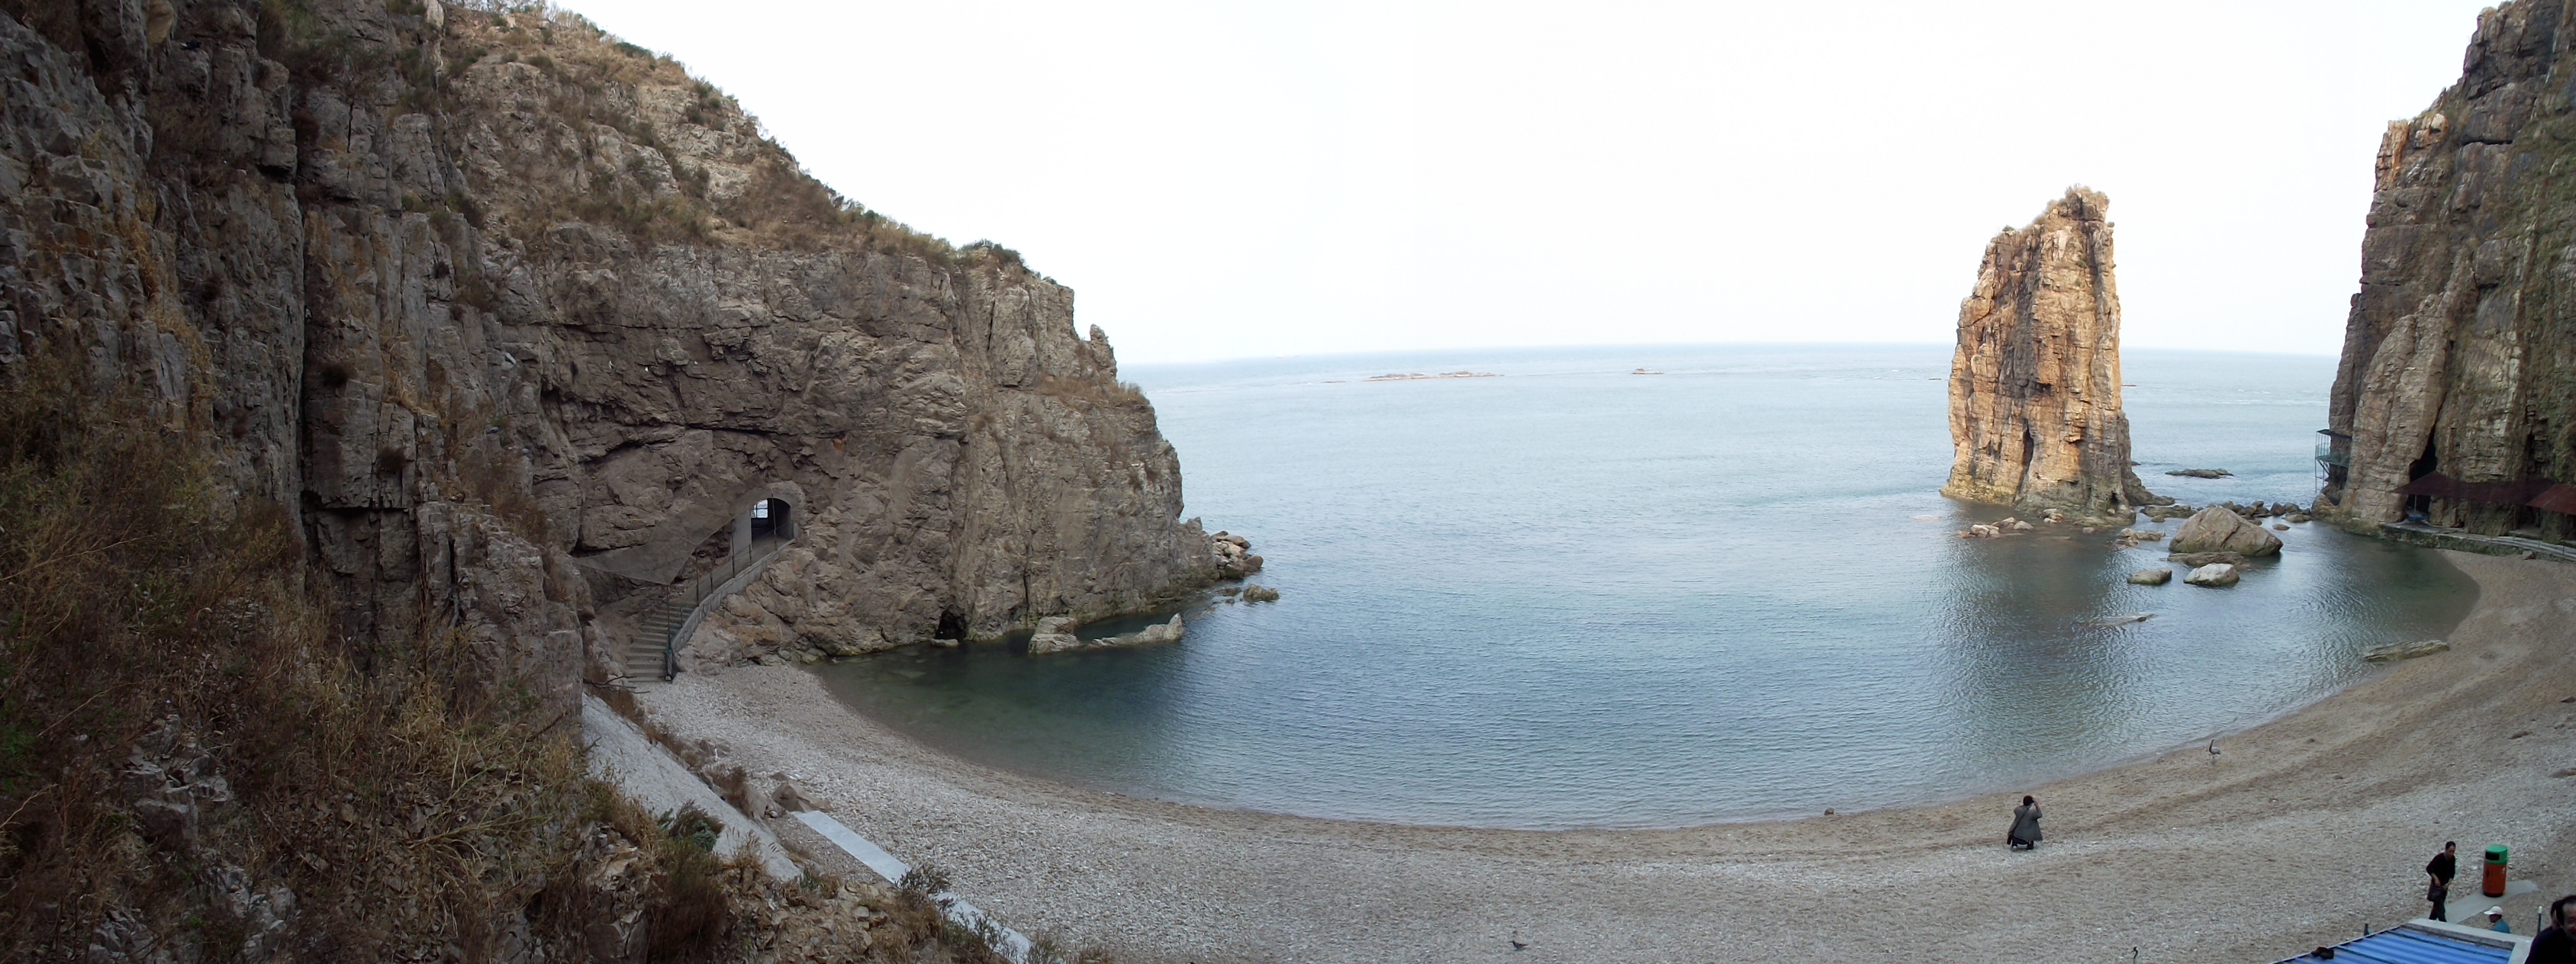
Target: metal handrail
pixel 703 587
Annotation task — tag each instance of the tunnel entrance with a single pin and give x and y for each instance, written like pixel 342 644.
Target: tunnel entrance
pixel 769 518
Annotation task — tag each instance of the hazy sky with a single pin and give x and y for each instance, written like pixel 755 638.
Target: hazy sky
pixel 1223 180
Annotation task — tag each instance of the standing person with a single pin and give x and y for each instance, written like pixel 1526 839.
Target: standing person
pixel 2442 867
pixel 2495 920
pixel 2025 825
pixel 2556 943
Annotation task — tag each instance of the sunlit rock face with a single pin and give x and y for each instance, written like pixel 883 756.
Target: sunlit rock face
pixel 2459 355
pixel 2035 385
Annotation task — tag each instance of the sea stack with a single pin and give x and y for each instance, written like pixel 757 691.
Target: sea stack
pixel 2035 386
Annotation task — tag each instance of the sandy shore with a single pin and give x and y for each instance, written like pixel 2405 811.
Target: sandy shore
pixel 2303 831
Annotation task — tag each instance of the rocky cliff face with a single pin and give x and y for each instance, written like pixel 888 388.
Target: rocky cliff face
pixel 516 319
pixel 2460 353
pixel 2035 385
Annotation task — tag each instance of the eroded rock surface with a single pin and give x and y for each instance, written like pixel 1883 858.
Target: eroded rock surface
pixel 2035 384
pixel 516 320
pixel 2458 355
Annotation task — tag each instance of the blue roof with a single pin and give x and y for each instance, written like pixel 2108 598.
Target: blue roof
pixel 2408 945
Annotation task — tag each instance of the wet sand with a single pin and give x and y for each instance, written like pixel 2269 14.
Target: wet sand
pixel 2299 833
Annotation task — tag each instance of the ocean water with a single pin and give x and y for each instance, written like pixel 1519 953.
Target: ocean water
pixel 1572 596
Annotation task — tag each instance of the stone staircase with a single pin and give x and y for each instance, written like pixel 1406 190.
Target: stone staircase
pixel 653 652
pixel 645 653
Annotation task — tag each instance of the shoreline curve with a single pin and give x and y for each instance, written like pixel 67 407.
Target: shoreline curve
pixel 2308 825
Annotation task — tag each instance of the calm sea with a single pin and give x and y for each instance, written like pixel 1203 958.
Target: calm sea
pixel 1572 596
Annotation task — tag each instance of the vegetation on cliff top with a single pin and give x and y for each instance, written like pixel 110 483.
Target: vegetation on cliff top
pixel 653 152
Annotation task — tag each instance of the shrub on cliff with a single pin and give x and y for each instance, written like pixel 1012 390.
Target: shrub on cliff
pixel 187 756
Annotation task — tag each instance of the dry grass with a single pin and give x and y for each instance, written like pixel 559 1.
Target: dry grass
pixel 1096 392
pixel 409 811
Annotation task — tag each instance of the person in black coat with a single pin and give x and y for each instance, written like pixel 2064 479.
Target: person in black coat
pixel 2442 868
pixel 2025 826
pixel 2556 944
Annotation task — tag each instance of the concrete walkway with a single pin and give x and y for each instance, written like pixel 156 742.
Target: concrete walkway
pixel 1012 944
pixel 621 754
pixel 2439 537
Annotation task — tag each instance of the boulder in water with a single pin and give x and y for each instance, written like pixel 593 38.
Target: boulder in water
pixel 2214 575
pixel 2218 529
pixel 2152 577
pixel 1054 635
pixel 2202 473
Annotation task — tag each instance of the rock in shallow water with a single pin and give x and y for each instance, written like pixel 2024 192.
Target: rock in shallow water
pixel 2214 575
pixel 2152 577
pixel 1054 635
pixel 2397 651
pixel 2217 529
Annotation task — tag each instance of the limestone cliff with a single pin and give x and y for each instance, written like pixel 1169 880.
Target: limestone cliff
pixel 516 318
pixel 2035 384
pixel 2459 357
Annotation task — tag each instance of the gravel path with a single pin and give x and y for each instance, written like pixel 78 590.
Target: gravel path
pixel 2303 831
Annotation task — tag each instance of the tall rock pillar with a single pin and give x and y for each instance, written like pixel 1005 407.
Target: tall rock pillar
pixel 2035 385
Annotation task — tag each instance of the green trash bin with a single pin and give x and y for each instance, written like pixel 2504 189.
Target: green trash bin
pixel 2494 882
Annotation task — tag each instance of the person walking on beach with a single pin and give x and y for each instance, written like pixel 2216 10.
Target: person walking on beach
pixel 2025 826
pixel 2442 867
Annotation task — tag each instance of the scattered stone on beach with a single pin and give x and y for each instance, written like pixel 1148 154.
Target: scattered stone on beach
pixel 2202 473
pixel 2219 529
pixel 2152 577
pixel 2396 651
pixel 2197 559
pixel 2214 575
